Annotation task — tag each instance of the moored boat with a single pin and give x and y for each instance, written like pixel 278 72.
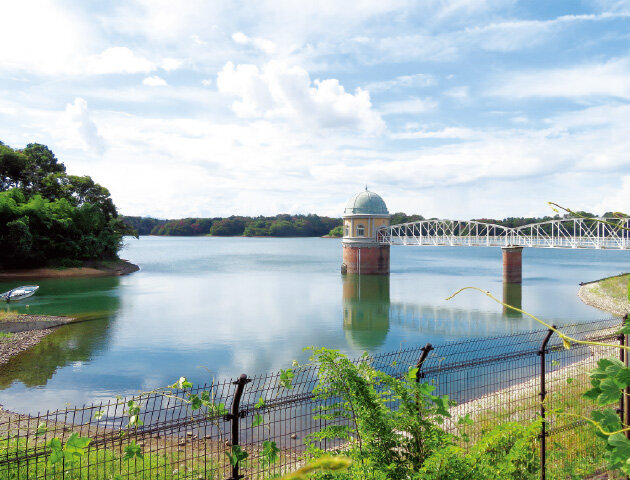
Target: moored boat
pixel 19 293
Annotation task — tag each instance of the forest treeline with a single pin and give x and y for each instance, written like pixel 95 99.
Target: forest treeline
pixel 282 225
pixel 50 217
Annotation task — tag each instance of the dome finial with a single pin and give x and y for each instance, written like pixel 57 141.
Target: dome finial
pixel 366 187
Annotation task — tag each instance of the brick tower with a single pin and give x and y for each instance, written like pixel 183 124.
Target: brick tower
pixel 362 254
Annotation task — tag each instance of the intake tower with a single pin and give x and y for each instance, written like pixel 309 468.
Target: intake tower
pixel 364 214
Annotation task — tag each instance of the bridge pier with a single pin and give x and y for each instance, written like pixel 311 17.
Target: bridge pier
pixel 512 264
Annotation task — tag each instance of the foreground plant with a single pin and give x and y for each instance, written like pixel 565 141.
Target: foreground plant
pixel 391 428
pixel 610 383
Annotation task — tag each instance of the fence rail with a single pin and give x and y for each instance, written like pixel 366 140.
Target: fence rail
pixel 492 379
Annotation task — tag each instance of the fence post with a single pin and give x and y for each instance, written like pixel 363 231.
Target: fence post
pixel 235 417
pixel 543 393
pixel 423 356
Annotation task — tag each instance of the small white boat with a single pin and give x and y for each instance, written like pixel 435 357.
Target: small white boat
pixel 19 293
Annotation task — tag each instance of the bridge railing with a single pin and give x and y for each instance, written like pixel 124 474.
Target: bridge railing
pixel 605 233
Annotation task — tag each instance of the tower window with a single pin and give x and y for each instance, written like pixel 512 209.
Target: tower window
pixel 360 230
pixel 346 232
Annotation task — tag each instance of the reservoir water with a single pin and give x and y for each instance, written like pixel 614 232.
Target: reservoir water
pixel 209 307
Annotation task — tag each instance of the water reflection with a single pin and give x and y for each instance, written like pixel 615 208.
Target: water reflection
pixel 65 346
pixel 94 304
pixel 366 310
pixel 512 295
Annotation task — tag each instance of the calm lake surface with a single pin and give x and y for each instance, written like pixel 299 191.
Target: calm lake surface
pixel 218 307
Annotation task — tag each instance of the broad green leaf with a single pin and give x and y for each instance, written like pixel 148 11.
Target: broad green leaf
pixel 42 428
pixel 133 450
pixel 620 451
pixel 260 403
pixel 237 455
pixel 612 370
pixel 592 394
pixel 610 392
pixel 286 378
pixel 258 420
pixel 411 373
pixel 623 377
pixel 425 388
pixel 181 384
pixel 270 452
pixel 195 402
pixel 56 453
pixel 466 420
pixel 608 420
pixel 98 415
pixel 75 447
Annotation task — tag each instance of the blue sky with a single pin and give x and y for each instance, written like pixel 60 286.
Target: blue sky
pixel 450 108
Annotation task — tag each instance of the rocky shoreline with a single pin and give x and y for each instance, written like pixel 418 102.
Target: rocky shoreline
pixel 19 342
pixel 89 269
pixel 593 294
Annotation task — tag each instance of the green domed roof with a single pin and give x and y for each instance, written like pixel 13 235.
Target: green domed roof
pixel 366 203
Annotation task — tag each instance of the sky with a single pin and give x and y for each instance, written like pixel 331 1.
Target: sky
pixel 455 109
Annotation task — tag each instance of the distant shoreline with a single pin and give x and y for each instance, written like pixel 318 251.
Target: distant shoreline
pixel 89 269
pixel 609 294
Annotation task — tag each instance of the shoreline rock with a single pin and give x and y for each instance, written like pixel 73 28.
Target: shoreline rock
pixel 20 342
pixel 89 269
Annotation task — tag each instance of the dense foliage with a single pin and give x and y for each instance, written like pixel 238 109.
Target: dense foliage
pixel 396 429
pixel 285 225
pixel 48 216
pixel 279 226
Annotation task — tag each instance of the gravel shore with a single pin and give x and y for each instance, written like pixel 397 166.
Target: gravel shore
pixel 19 342
pixel 593 295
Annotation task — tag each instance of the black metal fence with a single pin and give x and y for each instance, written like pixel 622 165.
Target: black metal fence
pixel 162 435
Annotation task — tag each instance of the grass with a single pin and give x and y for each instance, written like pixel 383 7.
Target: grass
pixel 5 336
pixel 573 449
pixel 615 287
pixel 105 464
pixel 8 316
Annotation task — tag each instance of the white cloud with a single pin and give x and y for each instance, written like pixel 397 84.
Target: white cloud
pixel 117 60
pixel 610 79
pixel 42 37
pixel 170 64
pixel 460 92
pixel 409 106
pixel 417 80
pixel 446 133
pixel 282 91
pixel 618 200
pixel 78 129
pixel 154 81
pixel 263 44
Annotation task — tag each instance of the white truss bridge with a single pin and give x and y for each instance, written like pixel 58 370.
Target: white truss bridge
pixel 601 233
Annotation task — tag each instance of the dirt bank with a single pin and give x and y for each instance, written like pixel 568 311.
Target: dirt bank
pixel 609 294
pixel 89 269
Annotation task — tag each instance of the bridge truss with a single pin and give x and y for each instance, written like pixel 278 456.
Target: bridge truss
pixel 602 233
